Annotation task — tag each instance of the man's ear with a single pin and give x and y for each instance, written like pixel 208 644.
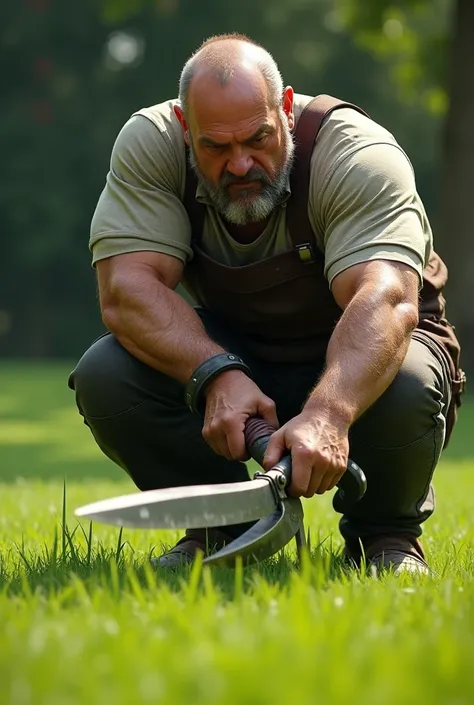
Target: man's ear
pixel 182 121
pixel 288 106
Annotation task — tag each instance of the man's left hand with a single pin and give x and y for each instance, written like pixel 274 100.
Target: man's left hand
pixel 319 448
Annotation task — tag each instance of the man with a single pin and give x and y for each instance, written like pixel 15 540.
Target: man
pixel 331 334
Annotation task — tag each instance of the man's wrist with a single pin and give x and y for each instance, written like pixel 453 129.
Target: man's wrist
pixel 335 409
pixel 205 373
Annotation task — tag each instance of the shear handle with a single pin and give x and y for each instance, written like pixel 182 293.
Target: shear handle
pixel 352 485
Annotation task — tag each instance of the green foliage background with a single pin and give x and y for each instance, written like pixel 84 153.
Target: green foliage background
pixel 64 100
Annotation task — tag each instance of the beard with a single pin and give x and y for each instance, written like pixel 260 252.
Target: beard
pixel 250 206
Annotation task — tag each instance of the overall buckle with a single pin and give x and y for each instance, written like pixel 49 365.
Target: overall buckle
pixel 305 253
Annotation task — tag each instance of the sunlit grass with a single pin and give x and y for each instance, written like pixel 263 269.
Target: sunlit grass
pixel 85 620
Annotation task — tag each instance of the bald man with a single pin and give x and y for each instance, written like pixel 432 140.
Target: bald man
pixel 322 339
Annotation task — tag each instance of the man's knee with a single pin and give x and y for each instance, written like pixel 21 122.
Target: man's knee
pixel 412 406
pixel 106 380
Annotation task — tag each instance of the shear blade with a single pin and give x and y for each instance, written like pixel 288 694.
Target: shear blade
pixel 265 538
pixel 191 507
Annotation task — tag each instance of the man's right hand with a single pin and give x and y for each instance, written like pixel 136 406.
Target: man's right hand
pixel 231 398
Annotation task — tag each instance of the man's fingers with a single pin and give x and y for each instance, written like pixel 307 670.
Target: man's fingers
pixel 328 480
pixel 335 480
pixel 235 440
pixel 216 439
pixel 324 480
pixel 226 437
pixel 266 408
pixel 218 444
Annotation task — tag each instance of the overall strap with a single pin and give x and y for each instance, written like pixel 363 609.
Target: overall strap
pixel 305 133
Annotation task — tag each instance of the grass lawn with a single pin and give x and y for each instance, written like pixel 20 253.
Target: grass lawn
pixel 84 621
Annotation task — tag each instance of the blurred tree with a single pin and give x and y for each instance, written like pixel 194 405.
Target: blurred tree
pixel 73 75
pixel 429 47
pixel 458 177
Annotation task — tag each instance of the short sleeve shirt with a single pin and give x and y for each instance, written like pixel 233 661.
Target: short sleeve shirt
pixel 363 200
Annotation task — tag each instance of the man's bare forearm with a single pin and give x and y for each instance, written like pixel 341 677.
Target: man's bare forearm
pixel 158 326
pixel 365 353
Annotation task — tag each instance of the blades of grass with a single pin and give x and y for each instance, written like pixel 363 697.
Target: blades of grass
pixel 64 541
pixel 4 576
pixel 320 567
pixel 150 575
pixel 305 561
pixel 79 590
pixel 54 552
pixel 89 546
pixel 238 579
pixel 74 556
pixel 50 555
pixel 191 589
pixel 120 546
pixel 21 552
pixel 135 586
pixel 26 588
pixel 207 582
pixel 88 540
pixel 114 579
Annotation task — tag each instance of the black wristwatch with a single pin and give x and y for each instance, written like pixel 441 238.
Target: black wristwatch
pixel 207 371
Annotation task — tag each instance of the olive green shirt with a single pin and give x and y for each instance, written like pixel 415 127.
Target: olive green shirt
pixel 363 201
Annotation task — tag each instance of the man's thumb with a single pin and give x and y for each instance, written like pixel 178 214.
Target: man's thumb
pixel 275 449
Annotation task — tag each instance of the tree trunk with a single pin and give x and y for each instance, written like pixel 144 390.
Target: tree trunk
pixel 457 195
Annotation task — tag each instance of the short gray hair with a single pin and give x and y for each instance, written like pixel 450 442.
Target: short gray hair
pixel 224 62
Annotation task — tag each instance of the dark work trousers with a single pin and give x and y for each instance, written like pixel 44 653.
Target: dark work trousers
pixel 139 420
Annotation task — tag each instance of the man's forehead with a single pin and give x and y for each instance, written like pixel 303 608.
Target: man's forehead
pixel 240 99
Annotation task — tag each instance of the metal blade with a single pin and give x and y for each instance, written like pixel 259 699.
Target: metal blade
pixel 265 538
pixel 191 507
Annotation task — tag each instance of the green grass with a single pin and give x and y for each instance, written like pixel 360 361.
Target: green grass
pixel 84 620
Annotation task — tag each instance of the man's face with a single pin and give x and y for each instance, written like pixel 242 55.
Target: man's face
pixel 241 148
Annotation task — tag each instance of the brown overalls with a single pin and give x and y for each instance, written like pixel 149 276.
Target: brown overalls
pixel 282 306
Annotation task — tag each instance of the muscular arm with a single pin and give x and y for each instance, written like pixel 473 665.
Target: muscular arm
pixel 370 341
pixel 376 241
pixel 162 330
pixel 141 238
pixel 150 320
pixel 377 238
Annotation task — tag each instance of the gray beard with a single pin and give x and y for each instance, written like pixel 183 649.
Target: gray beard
pixel 249 207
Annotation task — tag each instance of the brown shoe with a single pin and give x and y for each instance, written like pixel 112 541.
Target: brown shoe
pixel 205 540
pixel 397 553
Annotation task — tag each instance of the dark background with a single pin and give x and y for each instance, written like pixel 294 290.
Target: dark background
pixel 73 72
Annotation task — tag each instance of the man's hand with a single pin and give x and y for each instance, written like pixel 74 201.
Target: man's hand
pixel 230 399
pixel 319 448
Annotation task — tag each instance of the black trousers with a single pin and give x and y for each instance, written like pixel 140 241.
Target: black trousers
pixel 139 420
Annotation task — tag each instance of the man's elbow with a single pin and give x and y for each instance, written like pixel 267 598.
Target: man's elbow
pixel 111 299
pixel 409 316
pixel 402 295
pixel 118 288
pixel 111 318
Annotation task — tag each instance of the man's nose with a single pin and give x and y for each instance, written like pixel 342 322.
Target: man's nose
pixel 240 164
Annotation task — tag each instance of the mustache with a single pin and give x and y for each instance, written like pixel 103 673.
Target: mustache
pixel 253 174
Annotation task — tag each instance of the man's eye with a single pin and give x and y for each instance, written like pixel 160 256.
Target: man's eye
pixel 260 140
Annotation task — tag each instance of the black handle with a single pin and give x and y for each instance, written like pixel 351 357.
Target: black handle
pixel 352 485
